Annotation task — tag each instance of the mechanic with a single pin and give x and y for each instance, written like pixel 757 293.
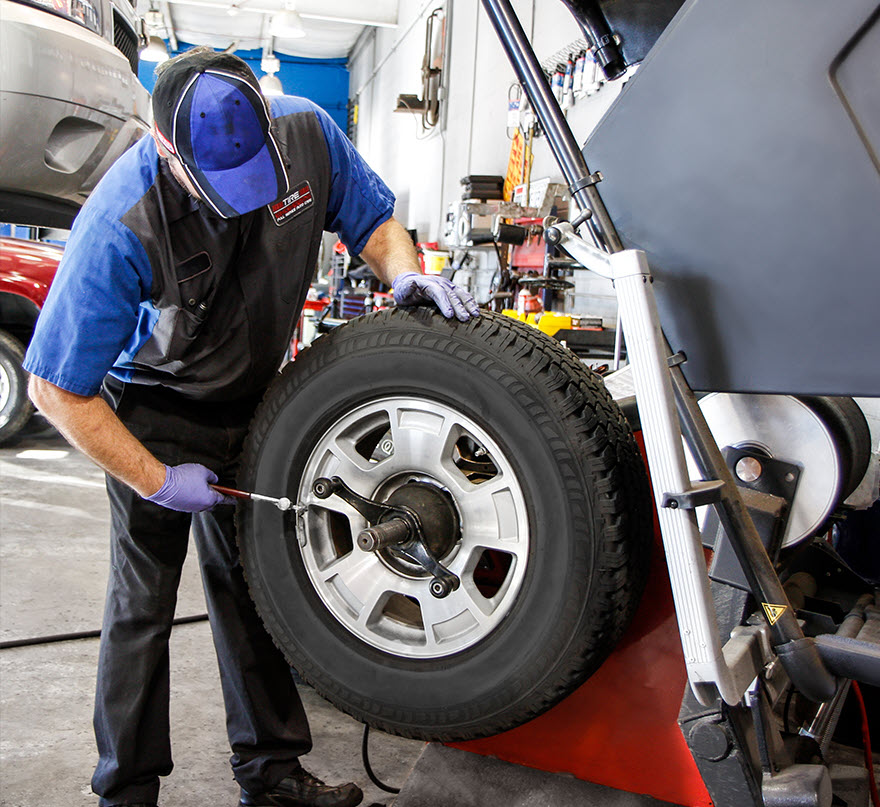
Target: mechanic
pixel 172 311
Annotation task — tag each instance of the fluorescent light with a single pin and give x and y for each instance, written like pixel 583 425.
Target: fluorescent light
pixel 270 84
pixel 287 25
pixel 156 51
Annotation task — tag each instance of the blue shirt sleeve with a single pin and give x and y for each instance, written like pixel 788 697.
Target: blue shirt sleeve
pixel 359 200
pixel 92 307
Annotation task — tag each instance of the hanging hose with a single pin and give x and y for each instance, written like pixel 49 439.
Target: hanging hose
pixel 365 754
pixel 866 739
pixel 85 634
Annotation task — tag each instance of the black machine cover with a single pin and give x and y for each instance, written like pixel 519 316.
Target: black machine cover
pixel 621 32
pixel 744 158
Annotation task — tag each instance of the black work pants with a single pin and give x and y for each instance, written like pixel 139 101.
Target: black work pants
pixel 266 723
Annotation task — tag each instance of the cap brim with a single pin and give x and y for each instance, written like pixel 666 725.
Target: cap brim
pixel 235 191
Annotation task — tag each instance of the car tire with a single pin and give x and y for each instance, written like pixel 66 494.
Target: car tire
pixel 553 521
pixel 15 406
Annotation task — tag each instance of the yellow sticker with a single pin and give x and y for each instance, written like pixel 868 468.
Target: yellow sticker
pixel 774 612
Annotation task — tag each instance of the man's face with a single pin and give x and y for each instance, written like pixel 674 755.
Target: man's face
pixel 176 169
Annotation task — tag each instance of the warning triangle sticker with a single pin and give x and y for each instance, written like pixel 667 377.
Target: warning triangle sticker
pixel 774 612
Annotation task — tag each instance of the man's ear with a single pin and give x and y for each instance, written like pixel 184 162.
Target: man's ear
pixel 163 152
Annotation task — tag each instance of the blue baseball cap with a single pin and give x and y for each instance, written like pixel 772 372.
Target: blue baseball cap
pixel 210 114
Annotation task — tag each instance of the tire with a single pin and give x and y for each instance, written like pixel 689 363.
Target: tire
pixel 15 406
pixel 552 550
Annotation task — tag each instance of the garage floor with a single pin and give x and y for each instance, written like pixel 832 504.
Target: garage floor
pixel 53 571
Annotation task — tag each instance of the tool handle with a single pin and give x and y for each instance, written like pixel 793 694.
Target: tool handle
pixel 238 494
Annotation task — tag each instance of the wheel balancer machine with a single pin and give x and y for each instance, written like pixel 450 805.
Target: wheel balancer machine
pixel 738 217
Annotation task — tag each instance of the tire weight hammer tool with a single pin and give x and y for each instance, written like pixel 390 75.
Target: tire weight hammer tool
pixel 282 504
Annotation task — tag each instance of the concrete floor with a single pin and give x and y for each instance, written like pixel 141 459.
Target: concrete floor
pixel 53 572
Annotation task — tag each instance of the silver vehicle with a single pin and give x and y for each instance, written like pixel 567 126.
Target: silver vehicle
pixel 70 102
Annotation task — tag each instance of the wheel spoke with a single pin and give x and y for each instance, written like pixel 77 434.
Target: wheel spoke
pixel 418 435
pixel 356 522
pixel 342 460
pixel 470 494
pixel 448 619
pixel 360 581
pixel 492 515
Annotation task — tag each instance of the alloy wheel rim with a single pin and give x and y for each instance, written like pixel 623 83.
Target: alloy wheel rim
pixel 377 449
pixel 5 396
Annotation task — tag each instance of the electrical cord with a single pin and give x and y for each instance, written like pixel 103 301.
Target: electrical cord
pixel 866 739
pixel 365 754
pixel 85 634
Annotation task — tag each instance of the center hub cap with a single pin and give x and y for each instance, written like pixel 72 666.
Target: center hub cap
pixel 441 527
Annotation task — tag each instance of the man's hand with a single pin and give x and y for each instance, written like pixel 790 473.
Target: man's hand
pixel 188 489
pixel 411 288
pixel 392 256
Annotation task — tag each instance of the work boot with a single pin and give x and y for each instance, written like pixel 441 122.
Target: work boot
pixel 301 789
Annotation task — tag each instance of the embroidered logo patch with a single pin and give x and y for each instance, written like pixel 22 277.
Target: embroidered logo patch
pixel 293 204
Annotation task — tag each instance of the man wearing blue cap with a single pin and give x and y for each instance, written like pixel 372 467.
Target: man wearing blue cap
pixel 170 314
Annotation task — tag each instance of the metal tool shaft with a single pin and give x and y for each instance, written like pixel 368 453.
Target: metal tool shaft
pixel 282 504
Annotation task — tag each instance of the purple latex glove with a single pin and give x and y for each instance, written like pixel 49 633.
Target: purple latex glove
pixel 187 489
pixel 411 288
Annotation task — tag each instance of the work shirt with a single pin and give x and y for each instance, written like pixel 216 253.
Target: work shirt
pixel 155 288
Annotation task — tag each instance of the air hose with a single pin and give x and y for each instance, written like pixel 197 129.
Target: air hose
pixel 85 634
pixel 365 753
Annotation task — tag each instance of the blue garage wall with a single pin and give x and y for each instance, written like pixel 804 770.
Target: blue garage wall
pixel 324 81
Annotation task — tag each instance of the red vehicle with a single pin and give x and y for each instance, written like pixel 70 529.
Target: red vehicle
pixel 26 272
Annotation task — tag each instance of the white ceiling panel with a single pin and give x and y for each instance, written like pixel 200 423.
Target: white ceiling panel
pixel 332 26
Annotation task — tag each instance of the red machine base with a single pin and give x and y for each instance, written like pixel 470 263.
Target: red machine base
pixel 620 728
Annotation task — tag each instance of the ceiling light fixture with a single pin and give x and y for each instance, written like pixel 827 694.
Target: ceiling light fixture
pixel 154 19
pixel 270 64
pixel 288 24
pixel 270 84
pixel 156 51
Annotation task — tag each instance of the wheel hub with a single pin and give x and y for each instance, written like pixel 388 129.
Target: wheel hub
pixel 441 528
pixel 398 530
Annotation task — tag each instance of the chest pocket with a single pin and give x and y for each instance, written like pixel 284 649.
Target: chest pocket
pixel 195 282
pixel 293 246
pixel 196 287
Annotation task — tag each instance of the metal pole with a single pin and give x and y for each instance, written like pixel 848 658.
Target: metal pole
pixel 565 149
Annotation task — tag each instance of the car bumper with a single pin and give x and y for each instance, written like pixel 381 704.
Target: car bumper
pixel 69 106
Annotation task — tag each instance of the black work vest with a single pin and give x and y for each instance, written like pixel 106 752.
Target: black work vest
pixel 228 292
